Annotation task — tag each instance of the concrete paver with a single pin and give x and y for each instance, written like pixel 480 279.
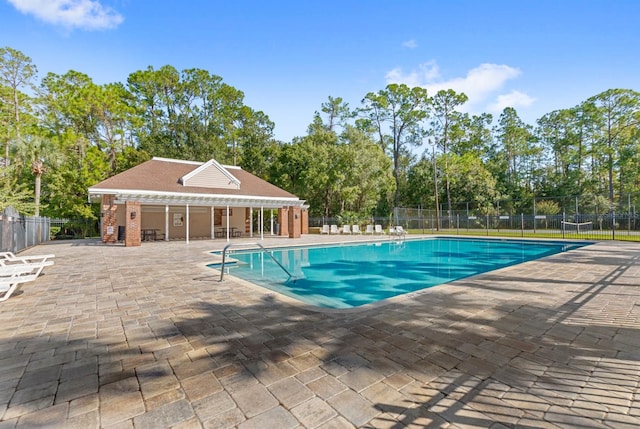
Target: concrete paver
pixel 117 337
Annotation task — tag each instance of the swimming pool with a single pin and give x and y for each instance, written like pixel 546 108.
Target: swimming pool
pixel 352 275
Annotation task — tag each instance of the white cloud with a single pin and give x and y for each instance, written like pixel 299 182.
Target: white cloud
pixel 410 44
pixel 513 99
pixel 86 14
pixel 480 84
pixel 427 72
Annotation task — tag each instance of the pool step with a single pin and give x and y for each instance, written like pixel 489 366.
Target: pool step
pixel 227 264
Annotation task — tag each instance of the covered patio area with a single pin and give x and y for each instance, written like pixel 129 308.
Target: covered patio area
pixel 166 199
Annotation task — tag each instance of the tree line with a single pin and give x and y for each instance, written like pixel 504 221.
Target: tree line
pixel 400 147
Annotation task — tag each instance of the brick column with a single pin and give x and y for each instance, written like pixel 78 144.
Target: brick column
pixel 304 221
pixel 295 222
pixel 132 220
pixel 109 219
pixel 283 220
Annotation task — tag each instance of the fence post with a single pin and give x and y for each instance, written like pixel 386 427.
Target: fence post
pixel 562 223
pixel 458 223
pixel 613 225
pixel 522 224
pixel 629 214
pixel 487 225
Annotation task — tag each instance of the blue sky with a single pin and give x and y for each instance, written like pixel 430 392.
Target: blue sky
pixel 289 56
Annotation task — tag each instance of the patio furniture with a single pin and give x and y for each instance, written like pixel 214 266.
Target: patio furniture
pixel 9 284
pixel 334 229
pixel 12 275
pixel 397 231
pixel 10 257
pixel 346 229
pixel 150 234
pixel 9 269
pixel 356 229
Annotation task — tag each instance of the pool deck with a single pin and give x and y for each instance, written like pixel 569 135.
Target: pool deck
pixel 146 337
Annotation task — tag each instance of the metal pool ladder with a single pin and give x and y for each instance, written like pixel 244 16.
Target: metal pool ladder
pixel 224 257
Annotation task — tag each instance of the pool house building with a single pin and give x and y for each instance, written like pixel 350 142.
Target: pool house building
pixel 169 199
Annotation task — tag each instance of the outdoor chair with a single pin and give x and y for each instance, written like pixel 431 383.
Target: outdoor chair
pixel 10 257
pixel 13 275
pixel 9 269
pixel 398 230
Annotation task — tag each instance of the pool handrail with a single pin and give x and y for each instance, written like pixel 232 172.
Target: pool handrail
pixel 264 249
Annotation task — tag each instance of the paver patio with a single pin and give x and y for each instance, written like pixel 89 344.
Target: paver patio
pixel 146 337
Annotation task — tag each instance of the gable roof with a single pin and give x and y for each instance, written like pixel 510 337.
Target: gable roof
pixel 210 175
pixel 176 182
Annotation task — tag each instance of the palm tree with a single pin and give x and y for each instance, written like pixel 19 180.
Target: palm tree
pixel 38 153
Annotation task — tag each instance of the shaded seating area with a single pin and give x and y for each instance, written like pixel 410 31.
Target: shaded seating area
pixel 232 232
pixel 173 199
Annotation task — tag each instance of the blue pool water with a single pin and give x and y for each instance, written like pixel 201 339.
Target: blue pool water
pixel 351 275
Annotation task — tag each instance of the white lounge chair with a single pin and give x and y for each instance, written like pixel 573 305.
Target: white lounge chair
pixel 10 283
pixel 325 229
pixel 369 229
pixel 399 231
pixel 334 229
pixel 12 275
pixel 10 257
pixel 379 230
pixel 356 229
pixel 9 269
pixel 346 229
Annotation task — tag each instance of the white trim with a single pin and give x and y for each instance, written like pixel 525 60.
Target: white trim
pixel 187 229
pixel 227 216
pixel 105 191
pixel 177 161
pixel 183 161
pixel 166 222
pixel 213 221
pixel 180 198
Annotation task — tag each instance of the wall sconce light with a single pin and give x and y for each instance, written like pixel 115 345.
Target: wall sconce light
pixel 295 216
pixel 133 215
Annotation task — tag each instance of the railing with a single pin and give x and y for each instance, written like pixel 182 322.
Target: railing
pixel 608 226
pixel 587 227
pixel 18 232
pixel 224 257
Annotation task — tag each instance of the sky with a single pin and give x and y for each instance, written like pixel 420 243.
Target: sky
pixel 288 57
